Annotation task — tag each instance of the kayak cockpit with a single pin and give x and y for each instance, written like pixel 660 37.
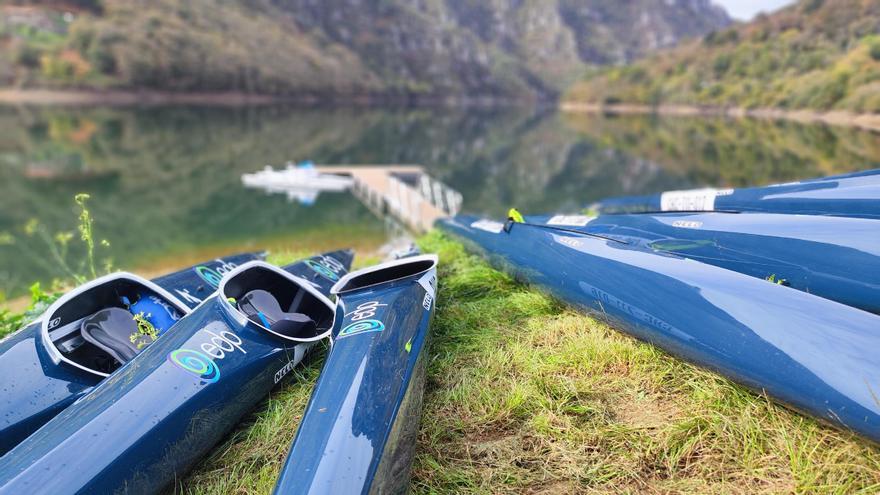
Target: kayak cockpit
pixel 103 324
pixel 278 302
pixel 385 273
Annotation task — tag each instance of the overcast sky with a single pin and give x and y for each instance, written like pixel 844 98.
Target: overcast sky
pixel 746 9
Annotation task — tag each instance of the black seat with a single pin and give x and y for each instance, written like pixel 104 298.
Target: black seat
pixel 263 309
pixel 112 330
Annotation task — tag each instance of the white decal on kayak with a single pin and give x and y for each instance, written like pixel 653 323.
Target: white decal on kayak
pixel 570 220
pixel 724 192
pixel 429 282
pixel 489 226
pixel 687 224
pixel 695 200
pixel 611 303
pixel 187 296
pixel 365 310
pixel 427 301
pixel 570 242
pixel 284 371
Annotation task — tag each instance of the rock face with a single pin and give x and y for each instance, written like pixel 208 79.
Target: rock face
pixel 500 46
pixel 396 48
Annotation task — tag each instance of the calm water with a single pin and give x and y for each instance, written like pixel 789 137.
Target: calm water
pixel 165 182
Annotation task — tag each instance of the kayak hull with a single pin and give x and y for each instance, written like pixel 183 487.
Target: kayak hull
pixel 832 257
pixel 164 410
pixel 358 433
pixel 36 388
pixel 810 353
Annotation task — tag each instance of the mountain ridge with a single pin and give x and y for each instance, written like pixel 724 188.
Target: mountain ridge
pixel 391 48
pixel 821 55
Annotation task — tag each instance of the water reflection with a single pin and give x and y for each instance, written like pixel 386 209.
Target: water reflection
pixel 165 182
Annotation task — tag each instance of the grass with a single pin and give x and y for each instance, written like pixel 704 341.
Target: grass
pixel 527 396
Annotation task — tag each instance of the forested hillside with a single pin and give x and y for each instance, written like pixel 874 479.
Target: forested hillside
pixel 816 54
pixel 400 48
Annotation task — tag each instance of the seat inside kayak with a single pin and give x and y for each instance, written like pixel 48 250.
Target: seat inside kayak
pixel 105 325
pixel 278 303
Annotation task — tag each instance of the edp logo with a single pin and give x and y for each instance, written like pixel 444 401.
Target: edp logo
pixel 365 310
pixel 214 276
pixel 204 364
pixel 326 266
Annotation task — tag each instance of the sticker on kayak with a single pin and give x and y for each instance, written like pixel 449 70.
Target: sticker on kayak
pixel 213 275
pixel 570 220
pixel 217 345
pixel 489 226
pixel 428 281
pixel 687 224
pixel 196 363
pixel 695 200
pixel 359 327
pixel 325 267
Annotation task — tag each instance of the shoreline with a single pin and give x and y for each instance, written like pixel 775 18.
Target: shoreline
pixel 10 96
pixel 866 121
pixel 86 97
pixel 52 97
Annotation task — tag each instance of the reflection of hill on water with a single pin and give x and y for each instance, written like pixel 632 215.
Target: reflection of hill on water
pixel 734 152
pixel 167 179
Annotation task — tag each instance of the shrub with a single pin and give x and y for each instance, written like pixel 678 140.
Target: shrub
pixel 721 64
pixel 874 49
pixel 26 55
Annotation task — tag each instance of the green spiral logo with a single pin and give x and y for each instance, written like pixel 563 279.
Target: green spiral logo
pixel 209 275
pixel 322 270
pixel 195 363
pixel 362 326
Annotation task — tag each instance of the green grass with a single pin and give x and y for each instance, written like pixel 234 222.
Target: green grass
pixel 525 395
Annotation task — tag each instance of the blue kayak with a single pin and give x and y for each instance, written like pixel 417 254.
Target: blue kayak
pixel 358 434
pixel 850 195
pixel 815 355
pixel 151 420
pixel 833 257
pixel 58 358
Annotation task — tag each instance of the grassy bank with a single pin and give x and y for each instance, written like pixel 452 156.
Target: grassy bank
pixel 527 396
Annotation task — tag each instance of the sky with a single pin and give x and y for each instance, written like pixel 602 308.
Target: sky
pixel 746 9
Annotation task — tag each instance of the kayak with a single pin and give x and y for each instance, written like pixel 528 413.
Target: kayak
pixel 850 195
pixel 815 355
pixel 145 425
pixel 358 433
pixel 53 361
pixel 833 257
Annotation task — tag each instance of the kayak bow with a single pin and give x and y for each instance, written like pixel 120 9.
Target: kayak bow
pixel 359 429
pixel 850 195
pixel 811 353
pixel 58 358
pixel 155 417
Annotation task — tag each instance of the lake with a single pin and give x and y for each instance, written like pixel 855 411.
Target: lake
pixel 166 191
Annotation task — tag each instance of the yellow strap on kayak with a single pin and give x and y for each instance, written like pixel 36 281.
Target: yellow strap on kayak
pixel 515 216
